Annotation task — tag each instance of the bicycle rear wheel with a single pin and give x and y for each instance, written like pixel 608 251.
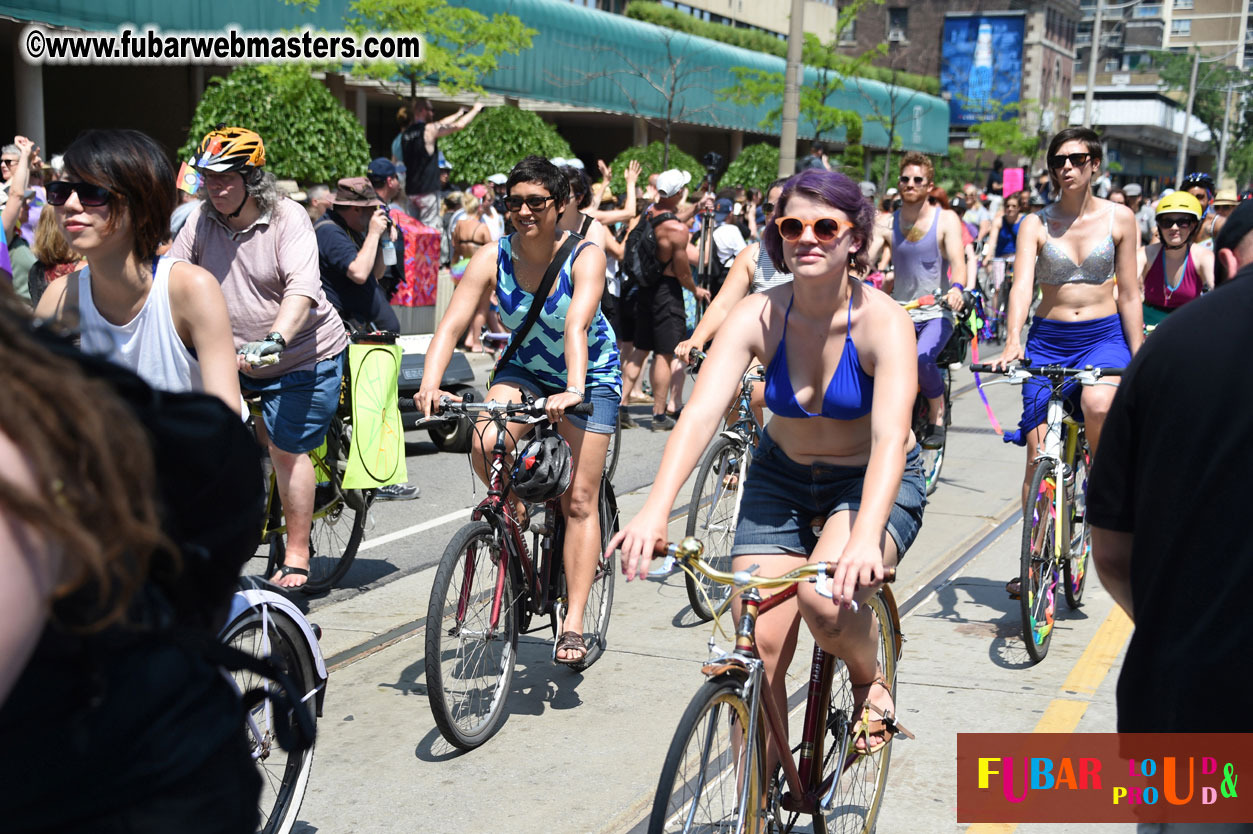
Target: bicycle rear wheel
pixel 1038 567
pixel 469 662
pixel 284 775
pixel 339 516
pixel 932 459
pixel 856 783
pixel 1075 567
pixel 600 597
pixel 712 780
pixel 711 518
pixel 615 446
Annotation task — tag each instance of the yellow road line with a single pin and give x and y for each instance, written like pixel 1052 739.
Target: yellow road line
pixel 1063 714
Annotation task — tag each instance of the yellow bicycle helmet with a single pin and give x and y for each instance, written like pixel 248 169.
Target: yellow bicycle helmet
pixel 226 149
pixel 1179 202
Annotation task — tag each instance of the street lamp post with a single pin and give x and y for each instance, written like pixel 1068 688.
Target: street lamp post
pixel 1182 160
pixel 792 90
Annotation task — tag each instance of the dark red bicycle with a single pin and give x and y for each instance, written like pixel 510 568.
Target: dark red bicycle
pixel 490 585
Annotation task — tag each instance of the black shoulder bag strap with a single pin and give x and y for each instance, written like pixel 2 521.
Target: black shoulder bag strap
pixel 541 296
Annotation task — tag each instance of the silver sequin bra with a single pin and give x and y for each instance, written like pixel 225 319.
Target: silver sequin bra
pixel 1056 267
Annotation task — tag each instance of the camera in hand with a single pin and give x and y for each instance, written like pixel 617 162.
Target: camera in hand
pixel 714 165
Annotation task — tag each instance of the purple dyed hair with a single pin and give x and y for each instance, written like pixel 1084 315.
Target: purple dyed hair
pixel 837 191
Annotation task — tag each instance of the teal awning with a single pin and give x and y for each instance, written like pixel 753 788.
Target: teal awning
pixel 581 57
pixel 596 59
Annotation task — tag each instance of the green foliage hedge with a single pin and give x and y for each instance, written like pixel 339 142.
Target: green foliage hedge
pixel 653 12
pixel 497 140
pixel 650 163
pixel 756 167
pixel 309 136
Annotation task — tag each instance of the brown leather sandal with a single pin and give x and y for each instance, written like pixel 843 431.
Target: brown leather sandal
pixel 885 725
pixel 570 641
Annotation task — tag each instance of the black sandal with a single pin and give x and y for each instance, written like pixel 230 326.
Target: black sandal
pixel 285 571
pixel 570 641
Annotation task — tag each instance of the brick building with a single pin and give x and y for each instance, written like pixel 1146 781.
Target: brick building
pixel 914 33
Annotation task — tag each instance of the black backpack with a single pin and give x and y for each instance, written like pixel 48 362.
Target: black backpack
pixel 209 480
pixel 640 260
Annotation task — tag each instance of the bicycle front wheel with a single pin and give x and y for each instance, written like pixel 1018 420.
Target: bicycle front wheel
pixel 471 637
pixel 711 518
pixel 713 779
pixel 854 783
pixel 1039 564
pixel 1075 567
pixel 284 774
pixel 339 516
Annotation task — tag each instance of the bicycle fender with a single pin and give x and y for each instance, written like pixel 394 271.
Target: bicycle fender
pixel 255 598
pixel 730 434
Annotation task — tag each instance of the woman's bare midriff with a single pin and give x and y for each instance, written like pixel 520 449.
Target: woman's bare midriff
pixel 1077 302
pixel 822 440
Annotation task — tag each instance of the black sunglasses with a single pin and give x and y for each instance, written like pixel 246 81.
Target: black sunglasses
pixel 1170 221
pixel 1078 160
pixel 535 202
pixel 768 208
pixel 88 194
pixel 904 180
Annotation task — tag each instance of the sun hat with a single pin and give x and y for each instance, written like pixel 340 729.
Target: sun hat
pixel 356 191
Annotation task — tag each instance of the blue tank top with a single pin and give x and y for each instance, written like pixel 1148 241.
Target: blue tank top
pixel 1007 240
pixel 848 395
pixel 543 351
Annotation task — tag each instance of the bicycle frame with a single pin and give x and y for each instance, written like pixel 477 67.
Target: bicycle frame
pixel 804 794
pixel 1061 445
pixel 499 513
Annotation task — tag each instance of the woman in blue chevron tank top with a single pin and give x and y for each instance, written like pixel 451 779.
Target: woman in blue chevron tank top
pixel 569 356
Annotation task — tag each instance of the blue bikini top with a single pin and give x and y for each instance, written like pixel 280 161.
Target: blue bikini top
pixel 848 395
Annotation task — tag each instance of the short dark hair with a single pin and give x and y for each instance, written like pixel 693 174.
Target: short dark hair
pixel 1085 135
pixel 817 147
pixel 580 185
pixel 139 176
pixel 540 171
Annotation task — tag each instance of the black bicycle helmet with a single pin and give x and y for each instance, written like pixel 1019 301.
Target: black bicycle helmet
pixel 1199 179
pixel 542 469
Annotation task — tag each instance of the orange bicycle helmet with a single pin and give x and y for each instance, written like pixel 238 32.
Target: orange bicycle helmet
pixel 226 149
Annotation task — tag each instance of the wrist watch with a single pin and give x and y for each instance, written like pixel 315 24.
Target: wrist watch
pixel 277 338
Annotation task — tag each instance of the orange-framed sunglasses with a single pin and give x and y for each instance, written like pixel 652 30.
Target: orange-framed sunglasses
pixel 826 229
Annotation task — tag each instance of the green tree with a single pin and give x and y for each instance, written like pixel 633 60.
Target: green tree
pixel 654 159
pixel 756 167
pixel 497 140
pixel 954 171
pixel 309 136
pixel 1208 104
pixel 758 87
pixel 459 45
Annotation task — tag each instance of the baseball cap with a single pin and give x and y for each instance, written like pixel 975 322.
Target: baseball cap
pixel 722 208
pixel 891 192
pixel 673 181
pixel 1239 223
pixel 498 179
pixel 868 189
pixel 443 162
pixel 1132 189
pixel 381 168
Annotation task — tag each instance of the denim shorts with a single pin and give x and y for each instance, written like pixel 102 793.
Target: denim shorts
pixel 297 407
pixel 783 497
pixel 604 400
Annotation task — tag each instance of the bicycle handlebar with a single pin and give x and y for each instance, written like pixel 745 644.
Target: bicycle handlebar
pixel 688 553
pixel 1024 370
pixel 938 297
pixel 513 412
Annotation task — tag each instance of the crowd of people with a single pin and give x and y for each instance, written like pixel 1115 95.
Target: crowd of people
pixel 240 289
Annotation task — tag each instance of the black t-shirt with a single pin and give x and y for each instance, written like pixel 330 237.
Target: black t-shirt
pixel 421 168
pixel 337 248
pixel 1173 469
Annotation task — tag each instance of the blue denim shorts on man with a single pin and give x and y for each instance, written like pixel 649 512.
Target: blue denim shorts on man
pixel 783 497
pixel 297 407
pixel 604 400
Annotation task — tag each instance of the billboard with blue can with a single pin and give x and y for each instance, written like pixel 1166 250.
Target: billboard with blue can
pixel 981 66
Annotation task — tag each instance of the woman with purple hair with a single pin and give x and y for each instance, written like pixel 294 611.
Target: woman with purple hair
pixel 840 381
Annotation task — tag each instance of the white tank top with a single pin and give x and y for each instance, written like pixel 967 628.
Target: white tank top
pixel 148 344
pixel 765 275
